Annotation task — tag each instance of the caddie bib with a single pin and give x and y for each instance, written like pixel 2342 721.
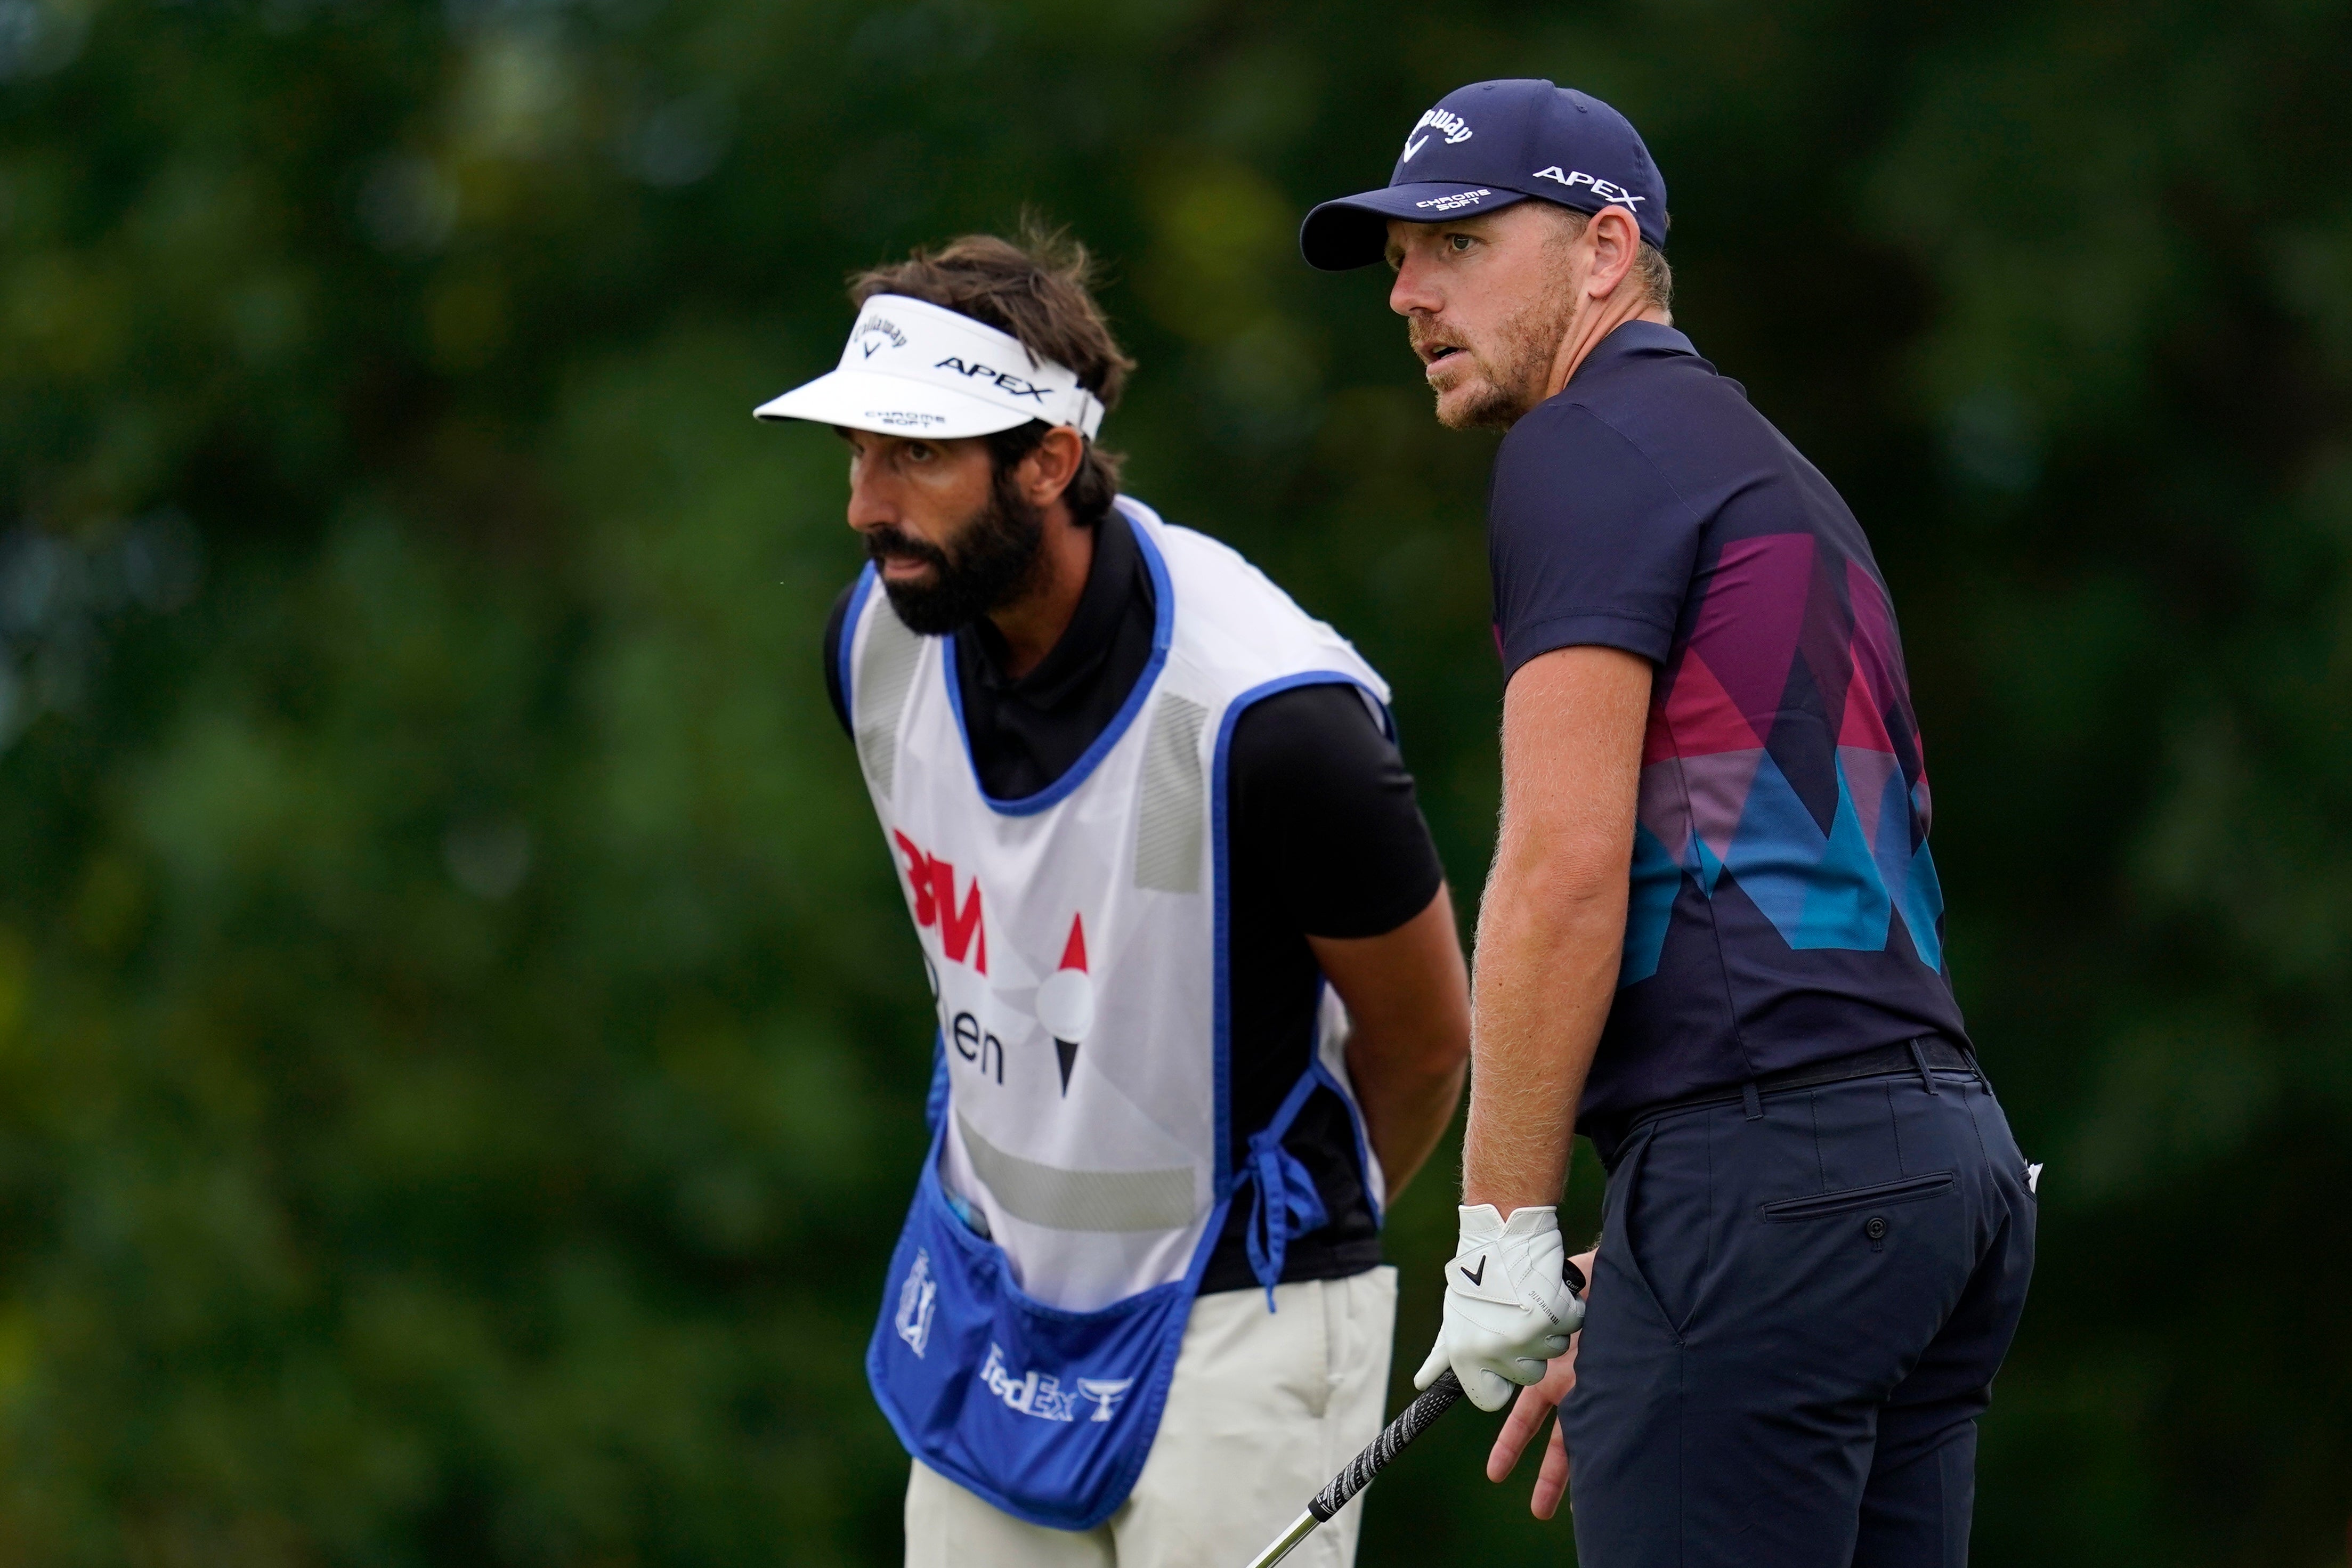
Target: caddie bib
pixel 1083 1160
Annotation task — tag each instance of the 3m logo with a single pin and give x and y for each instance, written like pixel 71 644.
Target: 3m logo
pixel 934 882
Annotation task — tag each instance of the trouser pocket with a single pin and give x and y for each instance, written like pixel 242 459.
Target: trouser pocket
pixel 1821 1205
pixel 1663 1221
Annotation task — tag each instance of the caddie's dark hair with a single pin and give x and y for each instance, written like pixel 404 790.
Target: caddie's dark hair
pixel 1039 288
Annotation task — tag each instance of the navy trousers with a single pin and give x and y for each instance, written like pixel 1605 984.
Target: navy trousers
pixel 1797 1308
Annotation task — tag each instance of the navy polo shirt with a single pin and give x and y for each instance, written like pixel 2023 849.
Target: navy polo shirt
pixel 1784 908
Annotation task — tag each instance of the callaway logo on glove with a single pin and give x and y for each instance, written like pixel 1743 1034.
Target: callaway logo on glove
pixel 1509 1309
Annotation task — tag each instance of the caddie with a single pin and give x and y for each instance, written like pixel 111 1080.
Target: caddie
pixel 1712 939
pixel 1201 1007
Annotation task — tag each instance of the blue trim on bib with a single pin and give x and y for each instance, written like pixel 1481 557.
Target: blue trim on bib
pixel 1220 839
pixel 1163 631
pixel 935 1101
pixel 858 595
pixel 1286 1202
pixel 1363 1148
pixel 1330 1079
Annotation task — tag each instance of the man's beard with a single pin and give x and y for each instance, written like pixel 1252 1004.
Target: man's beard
pixel 996 560
pixel 1515 373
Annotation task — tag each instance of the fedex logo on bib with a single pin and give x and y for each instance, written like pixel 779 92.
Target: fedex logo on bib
pixel 1041 1394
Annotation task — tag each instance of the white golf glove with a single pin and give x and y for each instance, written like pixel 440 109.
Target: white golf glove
pixel 1507 1310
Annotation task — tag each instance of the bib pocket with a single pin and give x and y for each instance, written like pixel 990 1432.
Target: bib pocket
pixel 1821 1205
pixel 1047 1414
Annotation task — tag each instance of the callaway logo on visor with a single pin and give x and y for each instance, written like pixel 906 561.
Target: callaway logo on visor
pixel 910 366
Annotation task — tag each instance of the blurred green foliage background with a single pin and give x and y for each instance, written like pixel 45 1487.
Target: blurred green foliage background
pixel 460 1055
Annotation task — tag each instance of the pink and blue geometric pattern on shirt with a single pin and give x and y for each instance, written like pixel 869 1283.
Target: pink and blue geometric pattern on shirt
pixel 1782 754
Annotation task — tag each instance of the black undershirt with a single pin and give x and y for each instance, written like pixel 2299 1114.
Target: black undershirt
pixel 1325 838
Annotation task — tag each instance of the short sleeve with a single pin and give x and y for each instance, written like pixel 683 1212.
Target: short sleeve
pixel 1587 542
pixel 1326 827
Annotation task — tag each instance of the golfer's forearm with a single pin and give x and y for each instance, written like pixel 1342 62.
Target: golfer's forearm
pixel 1551 927
pixel 1547 970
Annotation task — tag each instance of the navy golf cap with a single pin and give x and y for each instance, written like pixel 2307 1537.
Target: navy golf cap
pixel 1489 145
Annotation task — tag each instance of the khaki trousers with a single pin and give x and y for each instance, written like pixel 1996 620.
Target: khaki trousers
pixel 1264 1410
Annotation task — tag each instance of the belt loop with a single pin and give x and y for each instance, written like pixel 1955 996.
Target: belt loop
pixel 1927 1079
pixel 1753 1099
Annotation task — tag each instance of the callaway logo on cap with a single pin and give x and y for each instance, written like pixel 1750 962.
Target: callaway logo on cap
pixel 1489 145
pixel 913 367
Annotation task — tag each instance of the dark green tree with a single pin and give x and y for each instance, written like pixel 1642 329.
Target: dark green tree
pixel 460 1055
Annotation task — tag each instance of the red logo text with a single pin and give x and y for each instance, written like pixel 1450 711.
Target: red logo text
pixel 934 882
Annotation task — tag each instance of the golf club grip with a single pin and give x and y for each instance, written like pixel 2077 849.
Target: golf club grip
pixel 1435 1401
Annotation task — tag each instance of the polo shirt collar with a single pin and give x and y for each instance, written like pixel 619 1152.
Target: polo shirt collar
pixel 1634 340
pixel 1111 583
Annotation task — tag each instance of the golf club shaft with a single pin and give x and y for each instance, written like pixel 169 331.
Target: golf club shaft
pixel 1435 1401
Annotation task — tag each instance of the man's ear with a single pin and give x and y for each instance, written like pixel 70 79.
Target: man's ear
pixel 1051 464
pixel 1616 241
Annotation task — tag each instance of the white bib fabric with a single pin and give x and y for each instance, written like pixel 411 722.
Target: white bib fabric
pixel 1075 938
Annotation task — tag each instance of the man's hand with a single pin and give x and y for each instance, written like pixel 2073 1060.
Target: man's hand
pixel 1507 1309
pixel 1527 1418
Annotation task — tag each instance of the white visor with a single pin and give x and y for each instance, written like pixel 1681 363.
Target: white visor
pixel 915 368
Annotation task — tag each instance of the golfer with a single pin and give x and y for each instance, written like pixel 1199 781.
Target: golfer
pixel 1202 1007
pixel 1712 939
